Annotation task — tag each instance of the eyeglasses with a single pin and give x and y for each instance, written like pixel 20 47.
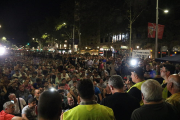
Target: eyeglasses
pixel 12 107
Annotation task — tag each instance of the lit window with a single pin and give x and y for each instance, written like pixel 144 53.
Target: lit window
pixel 65 41
pixel 65 45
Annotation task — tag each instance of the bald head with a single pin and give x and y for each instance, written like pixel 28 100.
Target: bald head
pixel 174 83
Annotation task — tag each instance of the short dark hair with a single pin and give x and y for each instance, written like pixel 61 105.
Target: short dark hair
pixel 85 88
pixel 170 68
pixel 38 80
pixel 74 81
pixel 61 84
pixel 116 81
pixel 49 105
pixel 31 100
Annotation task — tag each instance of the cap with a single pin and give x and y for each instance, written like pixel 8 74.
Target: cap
pixel 138 71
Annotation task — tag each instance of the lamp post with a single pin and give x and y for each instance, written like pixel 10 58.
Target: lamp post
pixel 156 43
pixel 157 17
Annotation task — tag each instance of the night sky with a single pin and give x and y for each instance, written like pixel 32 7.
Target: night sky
pixel 16 16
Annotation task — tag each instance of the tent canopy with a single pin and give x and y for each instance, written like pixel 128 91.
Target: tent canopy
pixel 175 59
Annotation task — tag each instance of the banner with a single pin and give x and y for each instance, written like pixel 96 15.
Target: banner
pixel 141 54
pixel 152 30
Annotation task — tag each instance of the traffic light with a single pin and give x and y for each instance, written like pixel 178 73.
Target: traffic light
pixel 27 43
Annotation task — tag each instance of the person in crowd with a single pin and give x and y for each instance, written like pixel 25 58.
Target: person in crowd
pixel 61 87
pixel 154 108
pixel 58 79
pixel 173 87
pixel 27 85
pixel 12 97
pixel 12 87
pixel 8 111
pixel 29 111
pixel 104 73
pixel 90 63
pixel 17 74
pixel 23 93
pixel 88 108
pixel 123 104
pixel 166 71
pixel 46 85
pixel 112 68
pixel 73 91
pixel 34 77
pixel 3 92
pixel 64 75
pixel 36 95
pixel 97 91
pixel 73 78
pixel 101 85
pixel 66 85
pixel 38 83
pixel 49 109
pixel 137 76
pixel 107 92
pixel 148 73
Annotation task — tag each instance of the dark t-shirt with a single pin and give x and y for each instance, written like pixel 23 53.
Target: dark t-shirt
pixel 122 104
pixel 162 111
pixel 135 93
pixel 149 72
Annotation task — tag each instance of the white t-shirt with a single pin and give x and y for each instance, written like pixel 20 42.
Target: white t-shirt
pixel 66 76
pixel 30 113
pixel 22 103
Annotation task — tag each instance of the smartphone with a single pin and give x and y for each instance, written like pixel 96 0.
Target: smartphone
pixel 12 101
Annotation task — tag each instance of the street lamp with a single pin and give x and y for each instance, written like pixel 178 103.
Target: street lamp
pixel 157 16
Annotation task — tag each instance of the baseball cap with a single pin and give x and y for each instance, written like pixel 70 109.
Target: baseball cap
pixel 138 71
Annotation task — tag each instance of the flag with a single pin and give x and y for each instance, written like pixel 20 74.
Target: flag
pixel 152 30
pixel 160 31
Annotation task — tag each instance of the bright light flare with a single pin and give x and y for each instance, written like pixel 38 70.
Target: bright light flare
pixel 52 89
pixel 133 62
pixel 2 50
pixel 166 11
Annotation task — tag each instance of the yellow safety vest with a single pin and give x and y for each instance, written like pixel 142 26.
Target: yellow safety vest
pixel 89 112
pixel 164 92
pixel 138 86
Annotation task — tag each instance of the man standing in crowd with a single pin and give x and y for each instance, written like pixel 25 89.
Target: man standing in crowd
pixel 12 97
pixel 88 108
pixel 173 87
pixel 6 114
pixel 148 73
pixel 137 76
pixel 49 109
pixel 36 95
pixel 123 104
pixel 29 111
pixel 154 108
pixel 166 71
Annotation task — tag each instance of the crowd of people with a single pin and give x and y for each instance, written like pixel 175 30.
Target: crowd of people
pixel 78 87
